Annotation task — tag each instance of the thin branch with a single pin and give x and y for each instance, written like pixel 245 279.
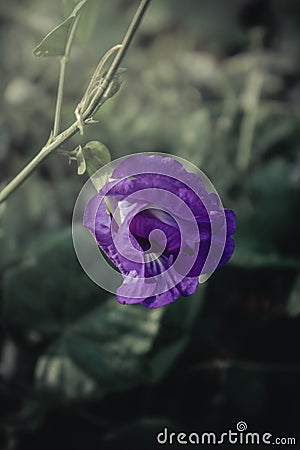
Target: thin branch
pixel 56 141
pixel 132 29
pixel 59 98
pixel 62 73
pixel 129 35
pixel 36 161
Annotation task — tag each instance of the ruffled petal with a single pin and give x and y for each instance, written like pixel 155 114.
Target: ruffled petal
pixel 144 186
pixel 134 289
pixel 230 221
pixel 218 251
pixel 228 251
pixel 163 167
pixel 162 299
pixel 188 286
pixel 99 223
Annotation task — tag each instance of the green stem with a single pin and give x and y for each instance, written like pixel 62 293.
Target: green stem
pixel 59 97
pixel 57 141
pixel 62 73
pixel 129 35
pixel 36 161
pixel 132 29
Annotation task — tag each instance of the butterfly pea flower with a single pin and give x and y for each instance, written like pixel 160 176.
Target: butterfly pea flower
pixel 161 227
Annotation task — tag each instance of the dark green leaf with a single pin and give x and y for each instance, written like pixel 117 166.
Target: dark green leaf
pixel 111 348
pixel 97 346
pixel 101 352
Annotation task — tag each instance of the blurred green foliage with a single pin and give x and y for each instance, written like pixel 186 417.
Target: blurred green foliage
pixel 216 83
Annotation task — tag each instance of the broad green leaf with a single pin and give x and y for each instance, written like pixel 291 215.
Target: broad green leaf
pixel 115 348
pixel 101 352
pixel 95 346
pixel 54 44
pixel 65 378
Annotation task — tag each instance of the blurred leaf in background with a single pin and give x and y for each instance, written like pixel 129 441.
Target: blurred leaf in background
pixel 216 83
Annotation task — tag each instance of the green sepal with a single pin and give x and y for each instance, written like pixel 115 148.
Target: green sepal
pixel 96 155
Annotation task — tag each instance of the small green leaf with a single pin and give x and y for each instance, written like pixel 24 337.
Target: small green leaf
pixel 80 161
pixel 54 44
pixel 96 155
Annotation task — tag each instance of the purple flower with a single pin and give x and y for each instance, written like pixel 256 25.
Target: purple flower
pixel 161 227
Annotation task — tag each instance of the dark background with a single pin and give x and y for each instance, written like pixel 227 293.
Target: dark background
pixel 216 82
